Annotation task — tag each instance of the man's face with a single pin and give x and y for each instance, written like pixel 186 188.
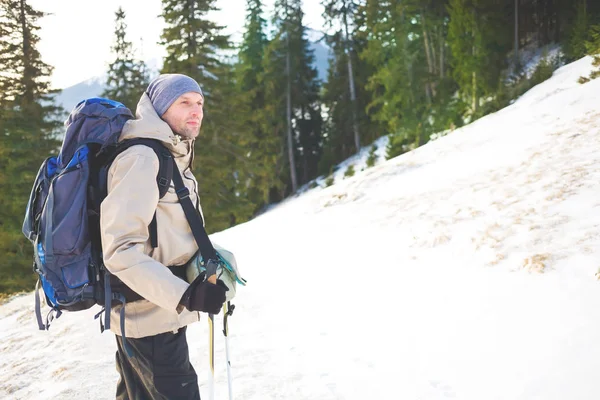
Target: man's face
pixel 185 115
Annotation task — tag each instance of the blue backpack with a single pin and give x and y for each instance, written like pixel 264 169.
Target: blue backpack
pixel 62 219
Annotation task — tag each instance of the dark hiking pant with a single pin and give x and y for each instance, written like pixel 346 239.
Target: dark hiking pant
pixel 160 369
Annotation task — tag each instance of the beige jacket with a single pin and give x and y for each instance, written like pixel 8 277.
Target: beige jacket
pixel 125 215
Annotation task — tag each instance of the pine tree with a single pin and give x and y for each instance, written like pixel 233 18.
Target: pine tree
pixel 252 50
pixel 469 54
pixel 192 40
pixel 593 49
pixel 576 44
pixel 29 123
pixel 440 87
pixel 195 47
pixel 400 75
pixel 291 82
pixel 479 38
pixel 127 77
pixel 338 141
pixel 347 124
pixel 370 128
pixel 372 159
pixel 342 13
pixel 259 144
pixel 273 117
pixel 308 118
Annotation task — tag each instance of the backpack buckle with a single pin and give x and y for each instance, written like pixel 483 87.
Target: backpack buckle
pixel 163 181
pixel 183 193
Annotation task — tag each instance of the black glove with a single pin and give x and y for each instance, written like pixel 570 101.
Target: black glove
pixel 204 296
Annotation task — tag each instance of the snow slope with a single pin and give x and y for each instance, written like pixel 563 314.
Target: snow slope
pixel 462 270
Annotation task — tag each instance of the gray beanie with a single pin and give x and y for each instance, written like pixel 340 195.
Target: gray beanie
pixel 166 88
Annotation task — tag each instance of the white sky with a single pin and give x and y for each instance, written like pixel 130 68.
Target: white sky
pixel 71 40
pixel 415 279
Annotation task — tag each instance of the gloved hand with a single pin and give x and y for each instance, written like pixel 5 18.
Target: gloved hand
pixel 204 296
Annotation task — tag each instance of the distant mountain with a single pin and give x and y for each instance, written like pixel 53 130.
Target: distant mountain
pixel 322 53
pixel 93 87
pixel 72 95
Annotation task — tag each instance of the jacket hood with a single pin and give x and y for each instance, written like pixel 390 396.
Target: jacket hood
pixel 148 124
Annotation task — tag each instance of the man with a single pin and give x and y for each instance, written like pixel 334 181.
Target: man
pixel 171 111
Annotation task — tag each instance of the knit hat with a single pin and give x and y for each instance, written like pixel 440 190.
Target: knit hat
pixel 166 88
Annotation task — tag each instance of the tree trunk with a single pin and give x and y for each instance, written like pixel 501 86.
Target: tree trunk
pixel 289 110
pixel 546 24
pixel 289 120
pixel 474 53
pixel 305 153
pixel 430 67
pixel 554 17
pixel 538 12
pixel 431 38
pixel 351 81
pixel 474 104
pixel 517 62
pixel 474 83
pixel 28 79
pixel 442 43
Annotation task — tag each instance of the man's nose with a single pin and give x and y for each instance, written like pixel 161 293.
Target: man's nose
pixel 196 110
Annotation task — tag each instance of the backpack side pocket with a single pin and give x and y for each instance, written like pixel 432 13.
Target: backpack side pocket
pixel 37 198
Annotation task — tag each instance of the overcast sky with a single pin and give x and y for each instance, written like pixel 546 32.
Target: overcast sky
pixel 77 37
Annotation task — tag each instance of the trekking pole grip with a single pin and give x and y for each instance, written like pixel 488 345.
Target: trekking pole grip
pixel 211 271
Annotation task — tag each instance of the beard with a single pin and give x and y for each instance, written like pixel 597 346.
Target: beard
pixel 188 132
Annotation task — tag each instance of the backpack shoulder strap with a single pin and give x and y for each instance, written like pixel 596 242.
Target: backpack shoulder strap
pixel 196 223
pixel 165 169
pixel 163 178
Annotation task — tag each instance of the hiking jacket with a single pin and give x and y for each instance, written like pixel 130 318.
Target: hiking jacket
pixel 126 213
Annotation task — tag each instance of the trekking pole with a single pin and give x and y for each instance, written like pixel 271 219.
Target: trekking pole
pixel 211 357
pixel 211 273
pixel 227 311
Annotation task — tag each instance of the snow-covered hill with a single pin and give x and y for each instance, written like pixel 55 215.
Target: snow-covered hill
pixel 462 270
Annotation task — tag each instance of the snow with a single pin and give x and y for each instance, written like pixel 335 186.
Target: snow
pixel 464 269
pixel 357 161
pixel 532 56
